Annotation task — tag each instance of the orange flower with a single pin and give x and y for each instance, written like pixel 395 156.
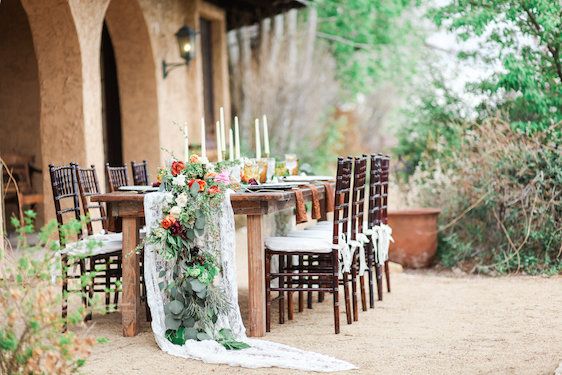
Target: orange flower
pixel 177 167
pixel 214 189
pixel 168 221
pixel 211 175
pixel 194 158
pixel 201 183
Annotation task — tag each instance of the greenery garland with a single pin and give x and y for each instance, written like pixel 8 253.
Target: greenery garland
pixel 194 194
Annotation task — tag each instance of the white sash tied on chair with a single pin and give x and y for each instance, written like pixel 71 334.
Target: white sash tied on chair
pixel 384 237
pixel 358 244
pixel 345 254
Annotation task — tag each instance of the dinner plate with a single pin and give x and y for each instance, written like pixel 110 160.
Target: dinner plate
pixel 307 178
pixel 139 188
pixel 272 186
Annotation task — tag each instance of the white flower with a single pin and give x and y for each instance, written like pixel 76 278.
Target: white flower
pixel 181 200
pixel 179 180
pixel 175 211
pixel 169 198
pixel 158 232
pixel 203 160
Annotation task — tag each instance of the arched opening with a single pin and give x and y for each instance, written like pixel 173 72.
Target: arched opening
pixel 136 77
pixel 111 107
pixel 19 99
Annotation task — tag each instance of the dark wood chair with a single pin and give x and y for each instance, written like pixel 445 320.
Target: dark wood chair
pixel 64 184
pixel 357 215
pixel 21 167
pixel 385 168
pixel 88 185
pixel 326 276
pixel 140 173
pixel 374 219
pixel 116 177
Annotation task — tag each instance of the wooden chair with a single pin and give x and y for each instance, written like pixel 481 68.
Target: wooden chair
pixel 327 276
pixel 385 167
pixel 88 185
pixel 357 214
pixel 140 173
pixel 373 219
pixel 21 167
pixel 64 184
pixel 116 177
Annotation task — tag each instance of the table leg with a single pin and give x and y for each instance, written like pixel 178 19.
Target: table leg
pixel 130 303
pixel 256 274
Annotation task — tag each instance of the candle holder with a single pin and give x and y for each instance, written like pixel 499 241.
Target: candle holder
pixel 270 168
pixel 262 170
pixel 250 171
pixel 281 169
pixel 292 164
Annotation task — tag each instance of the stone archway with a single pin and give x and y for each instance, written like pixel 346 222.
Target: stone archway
pixel 136 75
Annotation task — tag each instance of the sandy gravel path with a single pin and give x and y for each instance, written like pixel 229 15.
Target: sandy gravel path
pixel 430 324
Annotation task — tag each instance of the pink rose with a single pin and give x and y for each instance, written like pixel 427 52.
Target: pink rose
pixel 223 177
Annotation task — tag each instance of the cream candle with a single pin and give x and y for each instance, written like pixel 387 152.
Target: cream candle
pixel 258 139
pixel 237 136
pixel 219 149
pixel 185 144
pixel 223 132
pixel 230 144
pixel 265 137
pixel 203 145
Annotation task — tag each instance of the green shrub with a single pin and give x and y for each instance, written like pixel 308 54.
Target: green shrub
pixel 501 198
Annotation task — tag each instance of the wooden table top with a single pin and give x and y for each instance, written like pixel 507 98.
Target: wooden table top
pixel 243 203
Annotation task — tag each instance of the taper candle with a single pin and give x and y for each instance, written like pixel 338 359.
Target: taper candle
pixel 237 136
pixel 219 149
pixel 258 139
pixel 265 137
pixel 185 144
pixel 223 132
pixel 203 145
pixel 230 145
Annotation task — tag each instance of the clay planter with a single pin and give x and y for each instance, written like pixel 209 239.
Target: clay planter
pixel 415 236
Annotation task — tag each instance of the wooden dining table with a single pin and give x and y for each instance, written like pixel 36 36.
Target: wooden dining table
pixel 129 206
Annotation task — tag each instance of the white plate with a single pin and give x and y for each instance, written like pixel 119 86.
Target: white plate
pixel 272 186
pixel 139 188
pixel 307 178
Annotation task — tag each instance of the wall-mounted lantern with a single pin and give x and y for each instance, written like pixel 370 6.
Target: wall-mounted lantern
pixel 186 37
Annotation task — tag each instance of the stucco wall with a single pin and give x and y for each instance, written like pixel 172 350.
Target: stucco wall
pixel 19 86
pixel 65 120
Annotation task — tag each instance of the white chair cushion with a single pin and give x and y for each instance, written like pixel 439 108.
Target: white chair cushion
pixel 321 234
pixel 110 243
pixel 294 244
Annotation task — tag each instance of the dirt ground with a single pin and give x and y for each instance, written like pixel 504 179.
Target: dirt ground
pixel 430 324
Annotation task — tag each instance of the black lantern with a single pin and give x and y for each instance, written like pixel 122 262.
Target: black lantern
pixel 186 44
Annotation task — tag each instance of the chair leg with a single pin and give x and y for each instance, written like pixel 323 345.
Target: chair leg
pixel 64 301
pixel 301 279
pixel 370 265
pixel 321 296
pixel 378 274
pixel 354 293
pixel 335 292
pixel 267 291
pixel 363 293
pixel 107 283
pixel 85 290
pixel 346 297
pixel 387 274
pixel 281 294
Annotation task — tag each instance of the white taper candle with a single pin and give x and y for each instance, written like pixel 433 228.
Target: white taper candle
pixel 237 136
pixel 219 149
pixel 258 139
pixel 203 145
pixel 265 137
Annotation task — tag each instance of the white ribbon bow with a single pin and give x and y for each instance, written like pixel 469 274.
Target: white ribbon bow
pixel 384 237
pixel 357 244
pixel 345 254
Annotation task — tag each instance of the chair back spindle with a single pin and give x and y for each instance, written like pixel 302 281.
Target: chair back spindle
pixel 341 199
pixel 358 196
pixel 89 186
pixel 64 185
pixel 116 177
pixel 140 173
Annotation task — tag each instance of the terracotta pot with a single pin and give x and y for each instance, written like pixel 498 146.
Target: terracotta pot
pixel 415 236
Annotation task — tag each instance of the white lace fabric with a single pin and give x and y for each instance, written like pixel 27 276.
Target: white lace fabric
pixel 262 353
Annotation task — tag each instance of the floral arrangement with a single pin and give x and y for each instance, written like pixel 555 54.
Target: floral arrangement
pixel 194 195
